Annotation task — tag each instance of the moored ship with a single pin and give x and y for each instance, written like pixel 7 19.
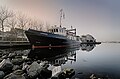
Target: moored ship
pixel 54 38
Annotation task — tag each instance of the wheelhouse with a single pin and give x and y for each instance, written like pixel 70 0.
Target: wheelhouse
pixel 58 30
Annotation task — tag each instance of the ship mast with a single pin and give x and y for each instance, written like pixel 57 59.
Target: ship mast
pixel 62 16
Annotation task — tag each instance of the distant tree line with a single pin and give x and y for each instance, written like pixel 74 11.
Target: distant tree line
pixel 10 20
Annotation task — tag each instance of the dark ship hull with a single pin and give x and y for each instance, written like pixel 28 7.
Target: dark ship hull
pixel 40 39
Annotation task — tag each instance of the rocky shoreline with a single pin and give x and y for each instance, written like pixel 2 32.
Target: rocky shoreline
pixel 17 66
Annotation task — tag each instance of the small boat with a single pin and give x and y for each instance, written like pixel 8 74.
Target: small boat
pixel 88 39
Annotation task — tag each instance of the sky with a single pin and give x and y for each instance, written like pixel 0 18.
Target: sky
pixel 100 18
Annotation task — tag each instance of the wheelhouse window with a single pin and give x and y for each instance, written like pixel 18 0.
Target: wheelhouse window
pixel 56 30
pixel 52 30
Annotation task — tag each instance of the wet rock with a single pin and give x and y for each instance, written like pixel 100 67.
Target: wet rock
pixel 2 74
pixel 0 55
pixel 18 74
pixel 45 66
pixel 1 59
pixel 18 56
pixel 69 72
pixel 25 58
pixel 25 66
pixel 55 78
pixel 6 65
pixel 38 61
pixel 4 57
pixel 62 75
pixel 46 73
pixel 11 55
pixel 34 70
pixel 93 76
pixel 29 62
pixel 26 52
pixel 16 67
pixel 5 53
pixel 17 61
pixel 19 53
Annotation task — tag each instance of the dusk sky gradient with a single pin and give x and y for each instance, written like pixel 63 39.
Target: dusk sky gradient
pixel 100 18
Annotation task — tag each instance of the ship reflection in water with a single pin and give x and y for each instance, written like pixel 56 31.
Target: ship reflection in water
pixel 51 54
pixel 55 54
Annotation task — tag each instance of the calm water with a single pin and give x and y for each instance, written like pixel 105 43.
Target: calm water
pixel 101 60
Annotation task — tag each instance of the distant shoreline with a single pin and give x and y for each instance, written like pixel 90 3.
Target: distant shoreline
pixel 111 42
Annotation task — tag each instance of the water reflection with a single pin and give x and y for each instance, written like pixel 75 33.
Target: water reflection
pixel 53 56
pixel 87 47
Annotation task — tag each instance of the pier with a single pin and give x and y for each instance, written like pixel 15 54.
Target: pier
pixel 4 44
